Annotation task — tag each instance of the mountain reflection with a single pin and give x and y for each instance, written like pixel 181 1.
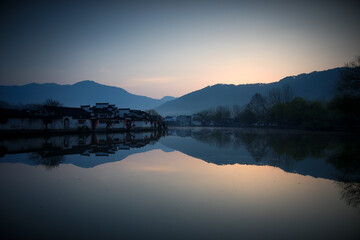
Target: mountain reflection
pixel 333 156
pixel 329 156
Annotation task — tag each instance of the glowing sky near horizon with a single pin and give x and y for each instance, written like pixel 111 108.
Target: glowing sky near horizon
pixel 158 48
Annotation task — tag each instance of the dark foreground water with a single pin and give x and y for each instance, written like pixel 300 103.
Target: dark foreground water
pixel 183 184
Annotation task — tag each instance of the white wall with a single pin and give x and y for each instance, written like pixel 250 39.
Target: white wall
pixel 59 124
pixel 142 124
pixel 74 123
pixel 23 124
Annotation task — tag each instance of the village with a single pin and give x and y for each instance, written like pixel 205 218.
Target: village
pixel 100 117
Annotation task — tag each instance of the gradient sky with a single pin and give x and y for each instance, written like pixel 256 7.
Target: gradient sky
pixel 158 48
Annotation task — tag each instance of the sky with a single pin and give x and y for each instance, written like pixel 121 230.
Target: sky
pixel 160 48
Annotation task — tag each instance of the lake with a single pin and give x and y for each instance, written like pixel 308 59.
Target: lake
pixel 181 184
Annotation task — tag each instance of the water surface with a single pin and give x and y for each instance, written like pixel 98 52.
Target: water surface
pixel 183 184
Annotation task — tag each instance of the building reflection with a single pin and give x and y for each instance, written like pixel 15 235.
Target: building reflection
pixel 50 151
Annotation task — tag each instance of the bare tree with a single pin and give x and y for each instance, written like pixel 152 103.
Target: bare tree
pixel 349 81
pixel 52 103
pixel 274 96
pixel 236 111
pixel 257 105
pixel 154 113
pixel 287 93
pixel 280 95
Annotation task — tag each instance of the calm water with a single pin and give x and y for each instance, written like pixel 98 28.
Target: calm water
pixel 183 184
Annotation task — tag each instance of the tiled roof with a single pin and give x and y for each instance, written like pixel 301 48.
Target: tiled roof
pixel 63 111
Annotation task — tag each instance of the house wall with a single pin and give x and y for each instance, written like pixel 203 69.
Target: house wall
pixel 39 124
pixel 142 124
pixel 116 124
pixel 74 124
pixel 23 124
pixel 141 135
pixel 68 123
pixel 196 123
pixel 101 125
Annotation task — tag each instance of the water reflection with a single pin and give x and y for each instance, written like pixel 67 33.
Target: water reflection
pixel 183 184
pixel 50 151
pixel 330 156
pixel 350 193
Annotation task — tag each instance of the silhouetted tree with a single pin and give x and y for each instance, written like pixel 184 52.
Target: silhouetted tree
pixel 317 116
pixel 349 81
pixel 154 113
pixel 247 117
pixel 236 111
pixel 257 106
pixel 280 95
pixel 53 103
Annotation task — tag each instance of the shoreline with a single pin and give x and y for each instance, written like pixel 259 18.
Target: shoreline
pixel 37 133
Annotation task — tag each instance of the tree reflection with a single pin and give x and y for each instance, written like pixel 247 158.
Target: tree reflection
pixel 221 139
pixel 48 157
pixel 284 148
pixel 350 193
pixel 256 144
pixel 345 157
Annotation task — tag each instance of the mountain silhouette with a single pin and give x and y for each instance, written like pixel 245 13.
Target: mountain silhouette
pixel 311 86
pixel 81 93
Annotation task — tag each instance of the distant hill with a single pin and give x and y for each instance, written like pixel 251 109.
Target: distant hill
pixel 311 86
pixel 81 93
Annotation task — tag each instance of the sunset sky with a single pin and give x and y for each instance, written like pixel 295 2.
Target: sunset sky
pixel 158 48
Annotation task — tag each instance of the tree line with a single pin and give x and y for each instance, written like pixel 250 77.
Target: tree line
pixel 279 107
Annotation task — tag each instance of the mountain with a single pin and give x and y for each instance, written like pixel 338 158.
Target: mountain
pixel 81 93
pixel 167 98
pixel 311 86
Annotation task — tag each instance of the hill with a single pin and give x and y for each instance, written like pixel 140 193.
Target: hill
pixel 81 93
pixel 311 86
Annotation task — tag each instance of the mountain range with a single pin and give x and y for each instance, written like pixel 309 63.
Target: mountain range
pixel 310 86
pixel 81 93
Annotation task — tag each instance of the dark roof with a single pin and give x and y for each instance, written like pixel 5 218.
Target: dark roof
pixel 62 111
pixel 137 111
pixel 101 111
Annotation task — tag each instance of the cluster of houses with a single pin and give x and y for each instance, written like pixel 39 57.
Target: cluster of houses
pixel 100 117
pixel 185 120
